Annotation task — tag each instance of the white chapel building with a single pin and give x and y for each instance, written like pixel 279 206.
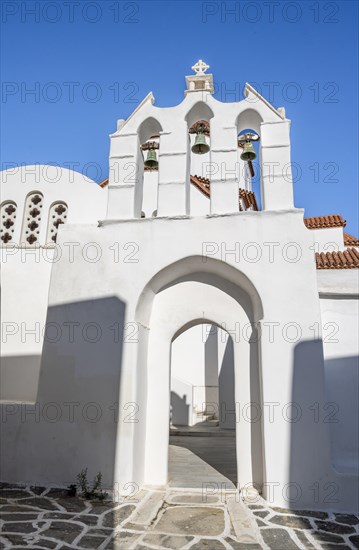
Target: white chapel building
pixel 175 296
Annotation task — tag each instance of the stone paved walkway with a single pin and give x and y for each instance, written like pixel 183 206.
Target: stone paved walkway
pixel 173 519
pixel 186 468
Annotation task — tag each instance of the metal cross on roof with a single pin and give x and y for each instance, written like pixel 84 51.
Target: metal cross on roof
pixel 200 67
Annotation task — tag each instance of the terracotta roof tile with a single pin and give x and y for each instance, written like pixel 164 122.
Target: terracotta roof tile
pixel 349 240
pixel 249 199
pixel 348 259
pixel 322 222
pixel 203 184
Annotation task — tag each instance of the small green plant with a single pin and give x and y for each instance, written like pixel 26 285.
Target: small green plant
pixel 96 492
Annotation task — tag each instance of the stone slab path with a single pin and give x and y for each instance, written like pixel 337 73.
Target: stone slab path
pixel 39 518
pixel 187 469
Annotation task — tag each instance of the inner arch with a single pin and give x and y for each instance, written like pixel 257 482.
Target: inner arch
pixel 202 443
pixel 208 270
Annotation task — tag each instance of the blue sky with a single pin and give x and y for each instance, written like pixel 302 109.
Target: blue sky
pixel 91 63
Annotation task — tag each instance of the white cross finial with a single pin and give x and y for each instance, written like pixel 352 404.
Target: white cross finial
pixel 200 67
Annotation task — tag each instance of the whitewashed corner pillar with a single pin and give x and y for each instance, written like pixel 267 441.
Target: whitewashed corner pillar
pixel 244 446
pixel 223 171
pixel 276 169
pixel 126 177
pixel 173 173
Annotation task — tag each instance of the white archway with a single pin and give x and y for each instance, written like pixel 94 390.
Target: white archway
pixel 171 304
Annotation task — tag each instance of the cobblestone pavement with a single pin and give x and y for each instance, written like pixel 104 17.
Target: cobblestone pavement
pixel 34 517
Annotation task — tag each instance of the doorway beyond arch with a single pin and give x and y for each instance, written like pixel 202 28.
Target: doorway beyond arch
pixel 202 449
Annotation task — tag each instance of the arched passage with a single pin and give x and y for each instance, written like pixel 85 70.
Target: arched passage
pixel 188 292
pixel 202 443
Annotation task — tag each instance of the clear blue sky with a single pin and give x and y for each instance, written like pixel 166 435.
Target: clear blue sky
pixel 92 62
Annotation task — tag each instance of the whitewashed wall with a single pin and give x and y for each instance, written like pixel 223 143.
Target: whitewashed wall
pixel 339 306
pixel 202 377
pixel 26 270
pixel 328 240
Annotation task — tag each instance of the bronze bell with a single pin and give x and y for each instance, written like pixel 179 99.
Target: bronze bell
pixel 248 152
pixel 151 160
pixel 200 146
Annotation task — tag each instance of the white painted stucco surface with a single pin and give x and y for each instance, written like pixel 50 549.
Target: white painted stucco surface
pixel 26 270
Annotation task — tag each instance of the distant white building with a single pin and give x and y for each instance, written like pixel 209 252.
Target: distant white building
pixel 166 295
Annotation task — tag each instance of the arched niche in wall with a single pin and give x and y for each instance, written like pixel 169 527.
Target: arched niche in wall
pixel 32 219
pixel 146 198
pixel 249 121
pixel 8 217
pixel 198 121
pixel 199 111
pixel 149 127
pixel 57 216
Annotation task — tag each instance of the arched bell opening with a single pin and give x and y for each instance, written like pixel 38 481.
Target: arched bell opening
pixel 248 126
pixel 199 144
pixel 149 140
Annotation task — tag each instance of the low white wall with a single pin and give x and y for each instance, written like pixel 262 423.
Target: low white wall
pixel 340 329
pixel 328 240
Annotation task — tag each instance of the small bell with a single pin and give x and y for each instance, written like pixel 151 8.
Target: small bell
pixel 151 160
pixel 248 152
pixel 200 146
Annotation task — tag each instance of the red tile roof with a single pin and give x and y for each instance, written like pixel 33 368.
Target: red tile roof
pixel 347 259
pixel 323 222
pixel 349 240
pixel 249 199
pixel 203 184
